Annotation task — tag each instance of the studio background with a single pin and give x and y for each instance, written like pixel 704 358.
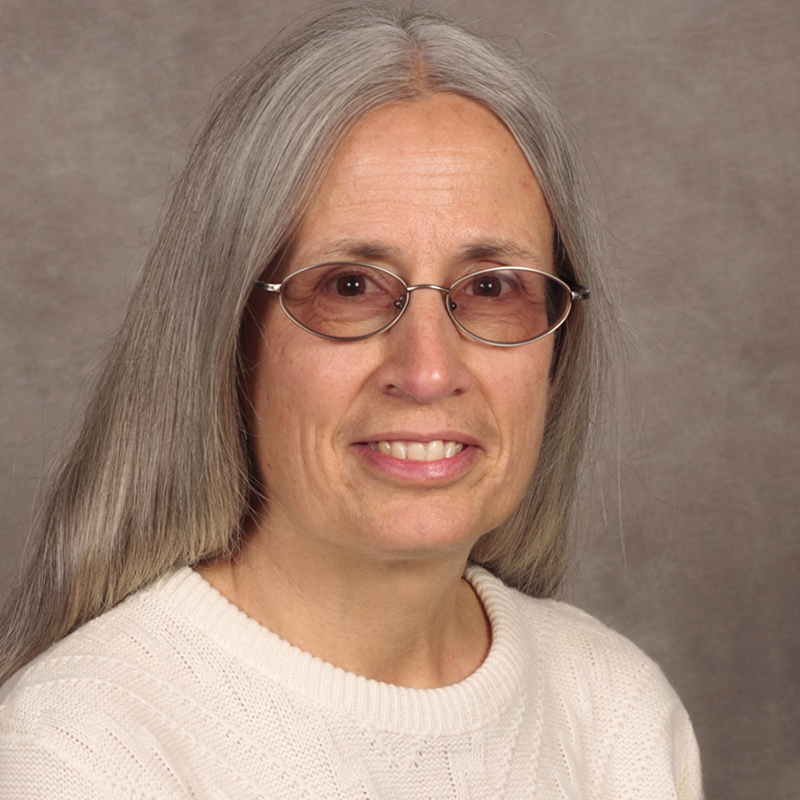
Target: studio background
pixel 689 115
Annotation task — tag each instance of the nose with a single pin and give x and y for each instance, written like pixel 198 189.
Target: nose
pixel 424 352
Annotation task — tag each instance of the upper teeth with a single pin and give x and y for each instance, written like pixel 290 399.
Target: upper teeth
pixel 418 451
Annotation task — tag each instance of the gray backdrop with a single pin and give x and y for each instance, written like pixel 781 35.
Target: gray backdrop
pixel 689 116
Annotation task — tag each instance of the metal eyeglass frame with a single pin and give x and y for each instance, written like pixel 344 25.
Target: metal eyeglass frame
pixel 579 293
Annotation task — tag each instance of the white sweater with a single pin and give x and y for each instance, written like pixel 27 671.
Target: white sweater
pixel 175 693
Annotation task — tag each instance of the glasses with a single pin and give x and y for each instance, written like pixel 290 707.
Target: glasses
pixel 502 306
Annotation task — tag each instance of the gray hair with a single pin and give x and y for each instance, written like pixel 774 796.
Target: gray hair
pixel 158 476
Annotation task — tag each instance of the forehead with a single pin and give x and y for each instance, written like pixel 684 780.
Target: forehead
pixel 438 174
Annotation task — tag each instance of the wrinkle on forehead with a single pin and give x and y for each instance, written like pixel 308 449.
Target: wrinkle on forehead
pixel 376 253
pixel 442 177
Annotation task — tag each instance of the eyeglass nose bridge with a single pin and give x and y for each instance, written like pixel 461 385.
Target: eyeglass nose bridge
pixel 402 302
pixel 444 289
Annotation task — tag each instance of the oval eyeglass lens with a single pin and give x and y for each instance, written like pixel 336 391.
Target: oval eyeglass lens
pixel 343 301
pixel 509 305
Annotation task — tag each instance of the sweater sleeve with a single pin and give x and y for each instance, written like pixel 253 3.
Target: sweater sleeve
pixel 612 715
pixel 55 746
pixel 31 771
pixel 688 779
pixel 654 753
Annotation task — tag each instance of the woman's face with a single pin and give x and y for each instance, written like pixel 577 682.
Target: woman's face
pixel 430 190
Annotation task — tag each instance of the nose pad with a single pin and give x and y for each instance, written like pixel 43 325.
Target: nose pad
pixel 424 357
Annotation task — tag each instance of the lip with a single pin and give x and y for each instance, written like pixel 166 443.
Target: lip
pixel 416 436
pixel 442 471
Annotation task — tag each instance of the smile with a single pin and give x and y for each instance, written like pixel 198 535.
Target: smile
pixel 418 451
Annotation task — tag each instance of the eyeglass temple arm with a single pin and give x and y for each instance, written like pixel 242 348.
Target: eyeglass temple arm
pixel 268 287
pixel 580 293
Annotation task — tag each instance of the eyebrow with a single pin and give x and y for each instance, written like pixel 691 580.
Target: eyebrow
pixel 370 252
pixel 361 251
pixel 506 250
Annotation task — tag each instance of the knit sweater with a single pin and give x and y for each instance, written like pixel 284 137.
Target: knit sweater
pixel 176 693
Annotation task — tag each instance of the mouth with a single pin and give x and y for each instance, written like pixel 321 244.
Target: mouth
pixel 435 450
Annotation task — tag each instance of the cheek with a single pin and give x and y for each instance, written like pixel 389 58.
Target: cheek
pixel 523 385
pixel 522 394
pixel 298 390
pixel 268 370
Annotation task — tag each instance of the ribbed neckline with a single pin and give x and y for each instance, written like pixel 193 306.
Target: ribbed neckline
pixel 461 707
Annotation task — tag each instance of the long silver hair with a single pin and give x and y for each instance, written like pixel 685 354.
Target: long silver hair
pixel 158 476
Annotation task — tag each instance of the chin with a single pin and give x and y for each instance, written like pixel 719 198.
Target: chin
pixel 427 533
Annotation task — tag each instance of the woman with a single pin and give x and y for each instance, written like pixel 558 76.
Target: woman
pixel 360 363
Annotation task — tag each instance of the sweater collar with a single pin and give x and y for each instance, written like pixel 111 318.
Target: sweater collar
pixel 461 707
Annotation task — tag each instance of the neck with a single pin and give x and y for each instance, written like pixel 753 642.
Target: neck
pixel 409 621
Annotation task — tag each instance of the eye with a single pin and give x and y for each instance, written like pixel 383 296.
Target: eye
pixel 346 282
pixel 349 282
pixel 351 285
pixel 487 286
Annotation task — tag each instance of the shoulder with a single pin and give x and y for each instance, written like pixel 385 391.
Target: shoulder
pixel 602 700
pixel 566 641
pixel 133 633
pixel 75 708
